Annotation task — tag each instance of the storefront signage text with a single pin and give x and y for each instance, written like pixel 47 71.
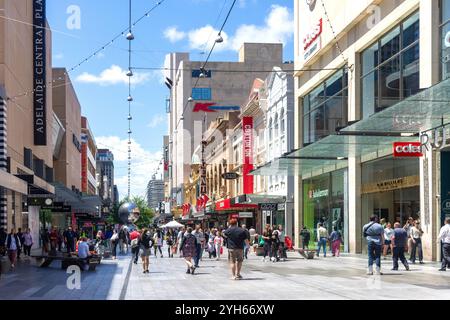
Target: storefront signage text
pixel 389 185
pixel 76 142
pixel 247 142
pixel 230 176
pixel 39 79
pixel 245 214
pixel 314 194
pixel 436 138
pixel 311 42
pixel 268 206
pixel 407 149
pixel 212 107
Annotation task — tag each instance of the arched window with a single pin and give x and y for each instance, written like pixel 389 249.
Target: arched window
pixel 276 125
pixel 282 122
pixel 270 129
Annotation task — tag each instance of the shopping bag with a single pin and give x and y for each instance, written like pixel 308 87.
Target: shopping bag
pixel 221 250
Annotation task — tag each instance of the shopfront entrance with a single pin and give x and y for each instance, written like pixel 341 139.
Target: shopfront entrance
pixel 325 201
pixel 391 190
pixel 445 185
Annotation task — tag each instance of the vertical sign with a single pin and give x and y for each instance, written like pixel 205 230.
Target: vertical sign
pixel 247 142
pixel 39 67
pixel 84 168
pixel 203 171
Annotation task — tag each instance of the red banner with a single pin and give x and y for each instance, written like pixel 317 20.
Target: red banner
pixel 407 149
pixel 247 142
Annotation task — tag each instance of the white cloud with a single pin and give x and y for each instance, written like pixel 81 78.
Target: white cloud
pixel 174 35
pixel 206 35
pixel 144 164
pixel 157 120
pixel 113 75
pixel 278 28
pixel 58 56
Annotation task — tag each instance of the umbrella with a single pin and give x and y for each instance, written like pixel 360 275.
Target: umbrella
pixel 173 224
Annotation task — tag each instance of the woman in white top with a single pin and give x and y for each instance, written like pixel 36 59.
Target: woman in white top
pixel 416 239
pixel 218 243
pixel 388 233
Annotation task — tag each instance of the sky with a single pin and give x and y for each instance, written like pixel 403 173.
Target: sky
pixel 80 27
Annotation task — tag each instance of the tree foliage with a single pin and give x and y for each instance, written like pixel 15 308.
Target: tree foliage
pixel 147 214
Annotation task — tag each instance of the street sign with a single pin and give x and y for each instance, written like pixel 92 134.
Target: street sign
pixel 230 176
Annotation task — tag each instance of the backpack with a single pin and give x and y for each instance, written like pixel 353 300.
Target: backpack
pixel 367 228
pixel 134 243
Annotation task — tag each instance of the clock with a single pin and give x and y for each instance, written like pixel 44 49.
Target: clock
pixel 48 202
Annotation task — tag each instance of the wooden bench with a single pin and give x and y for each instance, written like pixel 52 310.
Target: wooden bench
pixel 66 261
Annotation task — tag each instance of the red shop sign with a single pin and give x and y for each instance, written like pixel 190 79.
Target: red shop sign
pixel 407 149
pixel 312 36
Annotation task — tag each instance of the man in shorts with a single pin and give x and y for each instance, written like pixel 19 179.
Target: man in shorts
pixel 237 239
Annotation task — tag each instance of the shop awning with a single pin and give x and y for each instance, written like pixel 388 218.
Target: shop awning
pixel 376 134
pixel 227 204
pixel 257 199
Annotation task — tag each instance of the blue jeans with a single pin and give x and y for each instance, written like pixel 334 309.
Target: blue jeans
pixel 199 253
pixel 322 243
pixel 374 251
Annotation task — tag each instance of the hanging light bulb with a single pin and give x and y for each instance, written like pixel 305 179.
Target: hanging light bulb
pixel 130 98
pixel 129 132
pixel 219 39
pixel 129 73
pixel 130 36
pixel 182 118
pixel 190 99
pixel 130 118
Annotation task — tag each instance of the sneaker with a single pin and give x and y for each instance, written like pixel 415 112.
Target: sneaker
pixel 394 269
pixel 239 277
pixel 421 262
pixel 370 273
pixel 188 271
pixel 442 269
pixel 407 268
pixel 162 256
pixel 193 270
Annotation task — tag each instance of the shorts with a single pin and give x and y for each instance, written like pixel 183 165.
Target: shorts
pixel 387 242
pixel 235 255
pixel 145 252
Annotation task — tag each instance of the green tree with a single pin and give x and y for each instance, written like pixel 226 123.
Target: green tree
pixel 114 218
pixel 147 214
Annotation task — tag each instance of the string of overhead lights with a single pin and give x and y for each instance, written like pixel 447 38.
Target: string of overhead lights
pixel 235 71
pixel 130 38
pixel 218 40
pixel 131 25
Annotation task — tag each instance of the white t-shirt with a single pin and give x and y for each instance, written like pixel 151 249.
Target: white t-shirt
pixel 388 233
pixel 415 232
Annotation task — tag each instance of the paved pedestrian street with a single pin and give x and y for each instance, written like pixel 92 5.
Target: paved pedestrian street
pixel 297 278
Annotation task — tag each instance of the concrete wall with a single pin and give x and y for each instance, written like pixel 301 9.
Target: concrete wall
pixel 68 109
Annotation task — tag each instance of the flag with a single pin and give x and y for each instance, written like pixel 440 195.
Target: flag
pixel 169 83
pixel 205 200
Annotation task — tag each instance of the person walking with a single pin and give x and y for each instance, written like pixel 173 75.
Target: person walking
pixel 267 246
pixel 122 240
pixel 399 243
pixel 322 237
pixel 12 245
pixel 69 238
pixel 158 240
pixel 27 242
pixel 416 239
pixel 237 238
pixel 20 249
pixel 444 239
pixel 218 244
pixel 145 243
pixel 306 236
pixel 134 236
pixel 408 227
pixel 388 234
pixel 3 236
pixel 188 249
pixel 336 240
pixel 374 234
pixel 180 236
pixel 198 235
pixel 247 246
pixel 170 242
pixel 60 240
pixel 114 242
pixel 211 244
pixel 45 237
pixel 281 247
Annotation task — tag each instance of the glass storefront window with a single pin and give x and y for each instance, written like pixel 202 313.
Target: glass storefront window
pixel 390 189
pixel 324 202
pixel 390 67
pixel 325 107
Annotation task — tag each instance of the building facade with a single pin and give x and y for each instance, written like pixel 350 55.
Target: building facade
pixel 105 177
pixel 378 72
pixel 88 162
pixel 26 119
pixel 221 89
pixel 155 193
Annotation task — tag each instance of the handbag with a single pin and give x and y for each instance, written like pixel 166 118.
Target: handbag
pixel 261 242
pixel 221 250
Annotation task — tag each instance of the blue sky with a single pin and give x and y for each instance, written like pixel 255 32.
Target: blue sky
pixel 175 26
